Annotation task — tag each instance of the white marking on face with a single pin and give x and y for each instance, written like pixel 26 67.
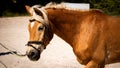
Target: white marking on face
pixel 32 24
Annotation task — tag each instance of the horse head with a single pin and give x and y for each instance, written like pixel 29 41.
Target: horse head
pixel 40 32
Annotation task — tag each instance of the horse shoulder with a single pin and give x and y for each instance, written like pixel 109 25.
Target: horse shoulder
pixel 88 39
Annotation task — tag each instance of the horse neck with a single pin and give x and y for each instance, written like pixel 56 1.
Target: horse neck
pixel 65 23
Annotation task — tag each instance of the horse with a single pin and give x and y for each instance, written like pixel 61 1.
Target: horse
pixel 93 35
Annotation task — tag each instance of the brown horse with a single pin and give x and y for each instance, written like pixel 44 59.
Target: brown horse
pixel 93 35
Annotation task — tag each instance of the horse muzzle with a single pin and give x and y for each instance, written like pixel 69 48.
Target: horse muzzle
pixel 33 54
pixel 34 50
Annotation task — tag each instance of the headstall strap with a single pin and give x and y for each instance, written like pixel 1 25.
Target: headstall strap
pixel 32 20
pixel 35 42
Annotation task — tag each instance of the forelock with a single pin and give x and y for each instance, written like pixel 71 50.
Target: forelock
pixel 41 19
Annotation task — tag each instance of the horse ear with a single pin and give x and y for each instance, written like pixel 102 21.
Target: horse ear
pixel 38 12
pixel 28 9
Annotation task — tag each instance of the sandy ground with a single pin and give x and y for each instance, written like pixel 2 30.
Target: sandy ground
pixel 14 34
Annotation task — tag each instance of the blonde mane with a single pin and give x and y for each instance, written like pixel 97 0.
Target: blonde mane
pixel 55 5
pixel 61 6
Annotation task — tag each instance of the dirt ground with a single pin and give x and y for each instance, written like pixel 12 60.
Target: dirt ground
pixel 14 35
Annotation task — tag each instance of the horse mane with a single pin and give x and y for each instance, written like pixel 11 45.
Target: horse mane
pixel 62 5
pixel 55 5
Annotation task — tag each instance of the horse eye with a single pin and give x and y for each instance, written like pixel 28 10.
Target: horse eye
pixel 40 28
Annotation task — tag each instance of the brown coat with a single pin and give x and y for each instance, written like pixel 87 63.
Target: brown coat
pixel 93 35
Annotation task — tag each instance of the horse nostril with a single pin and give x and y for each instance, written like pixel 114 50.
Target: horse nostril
pixel 32 54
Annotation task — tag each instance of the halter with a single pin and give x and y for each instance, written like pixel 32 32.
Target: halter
pixel 35 42
pixel 38 18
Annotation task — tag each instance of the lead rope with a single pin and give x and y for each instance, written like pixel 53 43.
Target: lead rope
pixel 13 52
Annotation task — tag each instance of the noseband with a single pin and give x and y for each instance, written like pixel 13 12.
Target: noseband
pixel 35 42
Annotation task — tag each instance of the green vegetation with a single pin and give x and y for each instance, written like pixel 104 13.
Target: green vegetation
pixel 16 7
pixel 8 13
pixel 111 7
